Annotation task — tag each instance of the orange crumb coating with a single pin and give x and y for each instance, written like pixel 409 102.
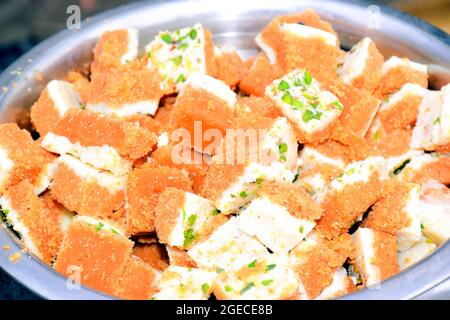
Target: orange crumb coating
pixel 342 208
pixel 129 84
pixel 144 185
pixel 81 84
pixel 401 115
pixel 109 49
pixel 395 78
pixel 195 105
pixel 229 68
pixel 145 122
pixel 388 214
pixel 347 147
pixel 138 281
pixel 93 129
pixel 152 253
pixel 390 144
pixel 294 198
pixel 272 36
pixel 253 106
pixel 162 116
pixel 195 163
pixel 28 157
pixel 180 258
pixel 41 216
pixel 438 170
pixel 259 76
pixel 311 54
pixel 85 197
pixel 100 257
pixel 44 113
pixel 321 262
pixel 359 109
pixel 167 212
pixel 385 257
pixel 371 75
pixel 219 178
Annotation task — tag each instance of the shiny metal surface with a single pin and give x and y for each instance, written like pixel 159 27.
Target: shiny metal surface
pixel 234 23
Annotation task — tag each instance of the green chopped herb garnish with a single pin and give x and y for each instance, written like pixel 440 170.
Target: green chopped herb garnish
pixel 259 180
pixel 401 167
pixel 350 171
pixel 228 288
pixel 247 287
pixel 6 211
pixel 282 147
pixel 82 106
pixel 149 54
pixel 193 34
pixel 215 212
pixel 317 116
pixel 287 98
pixel 283 85
pixel 243 194
pixel 297 105
pixel 283 157
pixel 270 267
pixel 436 121
pixel 181 78
pixel 166 38
pixel 295 178
pixel 338 105
pixel 205 288
pixel 183 46
pixel 252 264
pixel 188 237
pixel 307 77
pixel 219 270
pixel 376 135
pixel 301 229
pixel 232 196
pixel 307 116
pixel 177 60
pixel 99 226
pixel 422 227
pixel 266 282
pixel 191 220
pixel 184 213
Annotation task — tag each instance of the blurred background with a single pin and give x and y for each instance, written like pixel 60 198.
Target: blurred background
pixel 24 23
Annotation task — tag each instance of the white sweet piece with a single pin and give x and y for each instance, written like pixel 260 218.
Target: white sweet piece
pixel 63 96
pixel 100 224
pixel 179 283
pixel 408 89
pixel 104 157
pixel 312 157
pixel 435 211
pixel 338 286
pixel 195 213
pixel 355 61
pixel 127 109
pixel 268 50
pixel 411 234
pixel 364 240
pixel 273 225
pixel 416 253
pixel 87 173
pixel 213 86
pixel 45 177
pixel 271 278
pixel 433 122
pixel 227 248
pixel 394 62
pixel 305 31
pixel 177 55
pixel 302 101
pixel 133 46
pixel 6 166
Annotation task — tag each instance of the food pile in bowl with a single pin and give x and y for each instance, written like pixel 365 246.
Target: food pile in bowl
pixel 304 172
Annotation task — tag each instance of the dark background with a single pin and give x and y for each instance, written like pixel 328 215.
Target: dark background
pixel 24 23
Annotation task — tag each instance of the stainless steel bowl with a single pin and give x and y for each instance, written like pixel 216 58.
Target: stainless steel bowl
pixel 235 23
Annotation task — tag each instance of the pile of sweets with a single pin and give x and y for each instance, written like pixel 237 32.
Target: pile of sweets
pixel 351 190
